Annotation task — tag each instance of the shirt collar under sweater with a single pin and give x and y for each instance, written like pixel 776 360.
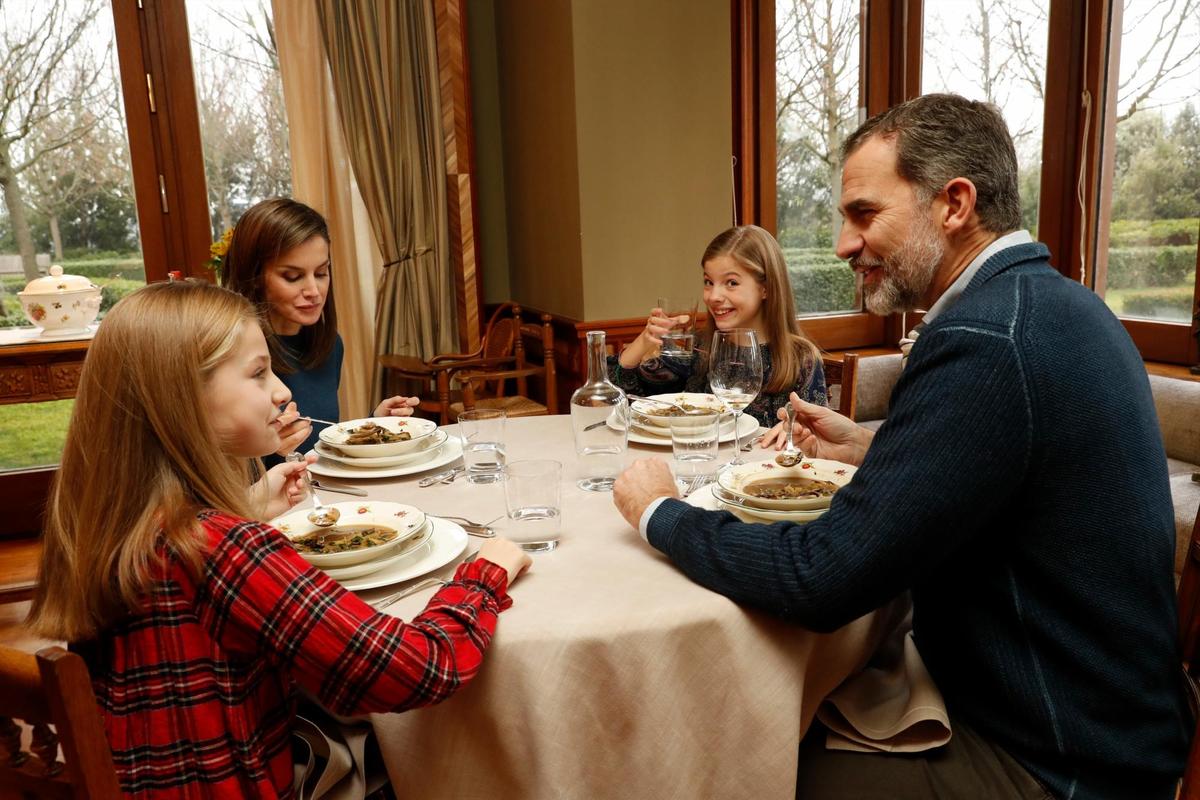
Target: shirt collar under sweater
pixel 960 283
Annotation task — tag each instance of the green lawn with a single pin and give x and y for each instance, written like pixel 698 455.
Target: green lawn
pixel 32 434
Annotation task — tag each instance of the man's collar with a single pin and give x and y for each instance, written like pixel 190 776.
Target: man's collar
pixel 955 289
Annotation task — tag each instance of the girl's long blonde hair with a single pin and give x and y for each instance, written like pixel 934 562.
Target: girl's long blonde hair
pixel 756 251
pixel 139 459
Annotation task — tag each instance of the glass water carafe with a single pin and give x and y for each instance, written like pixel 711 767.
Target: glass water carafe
pixel 600 420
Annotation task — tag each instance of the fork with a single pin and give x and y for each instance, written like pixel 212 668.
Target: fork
pixel 383 603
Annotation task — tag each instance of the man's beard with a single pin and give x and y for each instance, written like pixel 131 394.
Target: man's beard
pixel 907 272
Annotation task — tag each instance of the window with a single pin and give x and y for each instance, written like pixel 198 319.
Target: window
pixel 817 79
pixel 1155 202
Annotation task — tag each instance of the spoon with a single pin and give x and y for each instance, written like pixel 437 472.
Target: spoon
pixel 790 456
pixel 322 515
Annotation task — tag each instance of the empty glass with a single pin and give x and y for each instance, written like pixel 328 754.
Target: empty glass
pixel 694 443
pixel 679 341
pixel 482 432
pixel 735 375
pixel 533 499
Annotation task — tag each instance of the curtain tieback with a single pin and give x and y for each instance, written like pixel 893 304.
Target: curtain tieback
pixel 420 251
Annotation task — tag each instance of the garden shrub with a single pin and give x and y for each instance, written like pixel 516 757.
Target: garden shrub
pixel 1147 267
pixel 1173 303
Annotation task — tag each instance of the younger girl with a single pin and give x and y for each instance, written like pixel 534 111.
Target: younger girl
pixel 278 258
pixel 745 286
pixel 197 620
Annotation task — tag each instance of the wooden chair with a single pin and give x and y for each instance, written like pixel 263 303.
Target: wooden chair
pixel 52 688
pixel 842 373
pixel 497 350
pixel 491 382
pixel 1189 639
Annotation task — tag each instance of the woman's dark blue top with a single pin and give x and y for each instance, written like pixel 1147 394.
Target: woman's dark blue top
pixel 314 390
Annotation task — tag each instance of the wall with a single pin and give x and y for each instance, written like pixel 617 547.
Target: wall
pixel 603 143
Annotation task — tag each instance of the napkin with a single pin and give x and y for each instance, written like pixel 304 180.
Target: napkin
pixel 892 705
pixel 332 756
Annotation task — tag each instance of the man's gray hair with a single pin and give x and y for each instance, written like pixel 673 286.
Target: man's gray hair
pixel 943 136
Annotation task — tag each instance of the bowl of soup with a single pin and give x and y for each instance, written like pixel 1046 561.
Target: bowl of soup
pixel 683 404
pixel 364 531
pixel 377 437
pixel 809 485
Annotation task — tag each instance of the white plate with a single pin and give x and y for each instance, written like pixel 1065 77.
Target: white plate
pixel 415 550
pixel 447 543
pixel 405 520
pixel 417 428
pixel 434 442
pixel 747 426
pixel 734 480
pixel 450 452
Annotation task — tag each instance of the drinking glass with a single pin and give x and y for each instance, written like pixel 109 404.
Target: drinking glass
pixel 735 375
pixel 678 342
pixel 482 432
pixel 533 499
pixel 694 443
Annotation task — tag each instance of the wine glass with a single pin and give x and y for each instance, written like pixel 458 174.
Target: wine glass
pixel 735 374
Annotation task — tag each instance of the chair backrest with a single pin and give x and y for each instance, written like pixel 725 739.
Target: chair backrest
pixel 52 689
pixel 521 370
pixel 1189 646
pixel 842 374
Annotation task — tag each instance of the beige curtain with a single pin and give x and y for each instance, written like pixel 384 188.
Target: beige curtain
pixel 383 57
pixel 322 178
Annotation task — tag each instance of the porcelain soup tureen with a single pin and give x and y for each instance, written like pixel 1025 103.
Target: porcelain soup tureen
pixel 61 304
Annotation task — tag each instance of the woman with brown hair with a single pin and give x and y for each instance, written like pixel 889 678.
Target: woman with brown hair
pixel 278 258
pixel 745 286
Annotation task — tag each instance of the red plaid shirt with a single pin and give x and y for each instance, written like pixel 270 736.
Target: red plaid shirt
pixel 197 687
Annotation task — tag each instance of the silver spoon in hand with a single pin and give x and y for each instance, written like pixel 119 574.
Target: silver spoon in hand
pixel 322 515
pixel 790 456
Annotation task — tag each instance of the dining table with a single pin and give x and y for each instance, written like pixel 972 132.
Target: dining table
pixel 612 675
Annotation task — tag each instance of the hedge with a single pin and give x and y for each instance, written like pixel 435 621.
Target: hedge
pixel 1150 267
pixel 1136 232
pixel 822 288
pixel 1174 303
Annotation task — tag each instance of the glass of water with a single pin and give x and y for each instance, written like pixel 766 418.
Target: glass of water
pixel 679 341
pixel 482 432
pixel 533 499
pixel 694 443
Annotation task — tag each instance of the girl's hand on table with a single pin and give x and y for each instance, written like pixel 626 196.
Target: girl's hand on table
pixel 293 430
pixel 398 406
pixel 506 555
pixel 650 339
pixel 282 487
pixel 821 432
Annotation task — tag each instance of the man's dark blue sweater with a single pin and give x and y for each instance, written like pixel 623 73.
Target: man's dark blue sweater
pixel 1019 489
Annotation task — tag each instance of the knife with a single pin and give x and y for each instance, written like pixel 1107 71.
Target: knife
pixel 341 489
pixel 438 477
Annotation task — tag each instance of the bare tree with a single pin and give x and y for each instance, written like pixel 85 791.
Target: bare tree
pixel 43 71
pixel 1168 60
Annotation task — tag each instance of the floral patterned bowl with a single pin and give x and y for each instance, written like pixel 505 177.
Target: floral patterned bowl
pixel 61 303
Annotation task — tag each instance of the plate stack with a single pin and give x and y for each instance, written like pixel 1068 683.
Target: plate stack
pixel 383 447
pixel 368 537
pixel 651 422
pixel 766 492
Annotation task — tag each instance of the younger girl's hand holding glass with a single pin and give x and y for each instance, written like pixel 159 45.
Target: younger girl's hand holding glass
pixel 649 341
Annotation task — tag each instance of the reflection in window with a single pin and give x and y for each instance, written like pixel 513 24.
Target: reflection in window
pixel 817 98
pixel 1155 211
pixel 994 50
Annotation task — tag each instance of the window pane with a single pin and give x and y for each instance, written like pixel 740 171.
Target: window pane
pixel 68 191
pixel 817 91
pixel 242 120
pixel 1156 174
pixel 994 50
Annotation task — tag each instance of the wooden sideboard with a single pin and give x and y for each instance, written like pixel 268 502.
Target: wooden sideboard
pixel 43 371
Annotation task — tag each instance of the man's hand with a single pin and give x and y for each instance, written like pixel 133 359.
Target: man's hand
pixel 646 480
pixel 821 432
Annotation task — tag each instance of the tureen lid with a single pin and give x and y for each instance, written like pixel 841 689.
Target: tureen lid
pixel 57 283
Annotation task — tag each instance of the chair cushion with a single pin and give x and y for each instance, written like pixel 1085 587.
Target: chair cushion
pixel 1177 402
pixel 877 375
pixel 515 406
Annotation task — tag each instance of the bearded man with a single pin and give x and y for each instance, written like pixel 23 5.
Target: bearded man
pixel 1018 489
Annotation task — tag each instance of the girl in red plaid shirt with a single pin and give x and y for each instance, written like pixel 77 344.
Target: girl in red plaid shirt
pixel 199 621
